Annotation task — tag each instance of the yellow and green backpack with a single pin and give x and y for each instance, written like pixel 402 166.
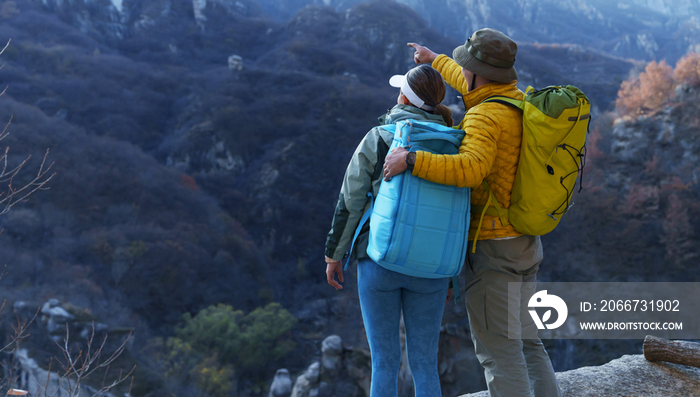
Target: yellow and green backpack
pixel 552 154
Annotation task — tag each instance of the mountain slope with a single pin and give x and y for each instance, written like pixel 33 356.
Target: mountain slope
pixel 183 182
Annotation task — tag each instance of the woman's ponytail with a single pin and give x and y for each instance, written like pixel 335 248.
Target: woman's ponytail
pixel 445 112
pixel 429 85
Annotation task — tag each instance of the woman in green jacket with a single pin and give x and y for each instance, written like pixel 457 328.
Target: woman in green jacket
pixel 385 294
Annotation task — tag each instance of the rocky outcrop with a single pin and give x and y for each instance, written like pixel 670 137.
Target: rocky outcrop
pixel 40 382
pixel 235 62
pixel 198 7
pixel 57 320
pixel 630 375
pixel 281 385
pixel 667 136
pixel 91 344
pixel 340 372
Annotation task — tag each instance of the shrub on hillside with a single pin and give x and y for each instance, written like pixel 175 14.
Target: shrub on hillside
pixel 220 344
pixel 248 341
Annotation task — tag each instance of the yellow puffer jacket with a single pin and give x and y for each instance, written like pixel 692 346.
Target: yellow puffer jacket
pixel 490 149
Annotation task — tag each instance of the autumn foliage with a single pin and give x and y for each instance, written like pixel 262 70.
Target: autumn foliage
pixel 688 70
pixel 656 84
pixel 647 91
pixel 189 182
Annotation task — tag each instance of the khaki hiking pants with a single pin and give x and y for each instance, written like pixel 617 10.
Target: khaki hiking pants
pixel 512 367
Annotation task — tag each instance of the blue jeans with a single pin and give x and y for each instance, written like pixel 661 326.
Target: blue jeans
pixel 384 294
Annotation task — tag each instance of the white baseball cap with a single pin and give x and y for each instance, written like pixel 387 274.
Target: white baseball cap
pixel 400 81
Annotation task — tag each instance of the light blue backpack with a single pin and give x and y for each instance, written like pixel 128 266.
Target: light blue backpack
pixel 418 227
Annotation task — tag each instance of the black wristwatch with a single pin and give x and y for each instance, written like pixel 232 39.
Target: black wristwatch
pixel 410 160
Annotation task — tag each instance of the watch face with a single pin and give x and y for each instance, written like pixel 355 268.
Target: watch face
pixel 411 158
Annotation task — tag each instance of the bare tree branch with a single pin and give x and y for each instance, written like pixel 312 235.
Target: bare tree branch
pixel 6 45
pixel 14 194
pixel 76 369
pixel 20 332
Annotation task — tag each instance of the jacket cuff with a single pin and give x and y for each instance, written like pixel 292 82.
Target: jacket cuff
pixel 336 256
pixel 420 159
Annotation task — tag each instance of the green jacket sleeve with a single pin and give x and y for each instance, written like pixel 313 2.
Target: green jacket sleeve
pixel 362 175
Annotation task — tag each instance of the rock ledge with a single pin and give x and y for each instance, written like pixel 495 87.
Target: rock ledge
pixel 630 375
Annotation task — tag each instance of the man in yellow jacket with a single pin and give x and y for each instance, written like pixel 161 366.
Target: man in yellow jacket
pixel 483 67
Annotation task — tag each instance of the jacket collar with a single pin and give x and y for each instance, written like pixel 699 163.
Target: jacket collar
pixel 478 95
pixel 404 112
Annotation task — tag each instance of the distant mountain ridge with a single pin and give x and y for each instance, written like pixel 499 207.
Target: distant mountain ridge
pixel 638 29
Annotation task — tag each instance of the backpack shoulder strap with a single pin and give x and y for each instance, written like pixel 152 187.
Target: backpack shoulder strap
pixel 391 128
pixel 496 210
pixel 516 103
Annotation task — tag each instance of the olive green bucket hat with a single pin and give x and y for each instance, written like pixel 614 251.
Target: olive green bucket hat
pixel 488 53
